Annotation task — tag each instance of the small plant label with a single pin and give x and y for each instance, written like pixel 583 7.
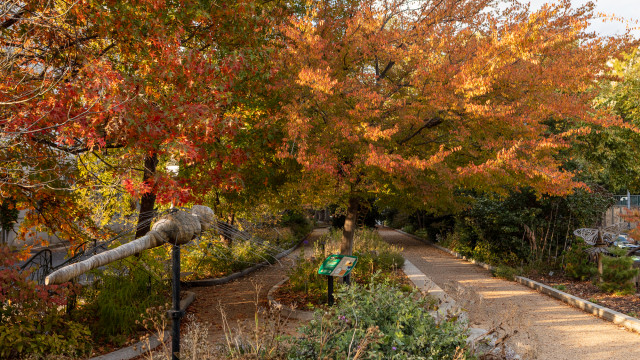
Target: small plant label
pixel 337 265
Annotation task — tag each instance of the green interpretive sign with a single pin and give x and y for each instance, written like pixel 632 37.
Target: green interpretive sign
pixel 337 265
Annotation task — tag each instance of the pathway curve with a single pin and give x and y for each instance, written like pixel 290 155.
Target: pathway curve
pixel 540 327
pixel 239 297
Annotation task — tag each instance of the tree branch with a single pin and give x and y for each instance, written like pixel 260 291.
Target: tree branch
pixel 431 123
pixel 387 68
pixel 9 22
pixel 73 150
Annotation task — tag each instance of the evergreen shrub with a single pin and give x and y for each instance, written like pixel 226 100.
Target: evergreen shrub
pixel 577 264
pixel 618 273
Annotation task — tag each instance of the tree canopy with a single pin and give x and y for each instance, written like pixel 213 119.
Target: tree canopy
pixel 416 100
pixel 404 101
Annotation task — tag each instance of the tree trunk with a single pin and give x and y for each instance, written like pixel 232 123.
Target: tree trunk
pixel 148 200
pixel 346 245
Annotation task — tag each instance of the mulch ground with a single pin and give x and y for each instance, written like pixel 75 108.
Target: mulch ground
pixel 626 304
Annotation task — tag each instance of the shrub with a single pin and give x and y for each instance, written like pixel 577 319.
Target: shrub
pixel 618 273
pixel 374 256
pixel 116 302
pixel 298 223
pixel 409 228
pixel 212 258
pixel 33 321
pixel 423 233
pixel 577 264
pixel 379 321
pixel 506 272
pixel 492 229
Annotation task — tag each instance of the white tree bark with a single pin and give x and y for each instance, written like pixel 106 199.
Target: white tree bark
pixel 177 228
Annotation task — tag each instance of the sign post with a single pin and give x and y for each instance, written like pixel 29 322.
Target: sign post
pixel 336 266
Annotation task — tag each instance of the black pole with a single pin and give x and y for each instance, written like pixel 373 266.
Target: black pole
pixel 176 314
pixel 330 290
pixel 347 279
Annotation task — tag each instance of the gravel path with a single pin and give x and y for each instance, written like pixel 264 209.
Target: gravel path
pixel 240 298
pixel 539 327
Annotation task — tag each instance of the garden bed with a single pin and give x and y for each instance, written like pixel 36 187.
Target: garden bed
pixel 377 261
pixel 289 296
pixel 626 304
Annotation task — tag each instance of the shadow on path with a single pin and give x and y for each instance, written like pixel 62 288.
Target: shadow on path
pixel 541 327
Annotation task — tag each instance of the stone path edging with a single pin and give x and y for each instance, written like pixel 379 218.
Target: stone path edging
pixel 446 304
pixel 239 274
pixel 602 312
pixel 417 277
pixel 147 345
pixel 284 309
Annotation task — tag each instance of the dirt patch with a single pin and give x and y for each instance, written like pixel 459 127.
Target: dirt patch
pixel 626 304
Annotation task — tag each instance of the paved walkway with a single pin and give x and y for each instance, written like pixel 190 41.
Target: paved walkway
pixel 539 327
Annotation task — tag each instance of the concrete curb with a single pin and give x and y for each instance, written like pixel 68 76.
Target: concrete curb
pixel 285 310
pixel 417 277
pixel 602 312
pixel 446 304
pixel 144 346
pixel 239 274
pixel 449 251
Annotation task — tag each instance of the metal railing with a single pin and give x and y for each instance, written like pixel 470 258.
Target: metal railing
pixel 627 200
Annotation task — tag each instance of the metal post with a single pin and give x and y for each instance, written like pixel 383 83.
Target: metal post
pixel 330 290
pixel 347 279
pixel 628 207
pixel 176 314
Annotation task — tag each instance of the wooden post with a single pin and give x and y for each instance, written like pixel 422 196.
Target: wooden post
pixel 600 270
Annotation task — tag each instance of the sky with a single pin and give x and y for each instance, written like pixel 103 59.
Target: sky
pixel 629 9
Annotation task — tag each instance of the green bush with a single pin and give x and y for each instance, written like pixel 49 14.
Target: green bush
pixel 379 321
pixel 33 320
pixel 577 264
pixel 618 273
pixel 423 233
pixel 506 272
pixel 116 302
pixel 409 228
pixel 493 228
pixel 298 222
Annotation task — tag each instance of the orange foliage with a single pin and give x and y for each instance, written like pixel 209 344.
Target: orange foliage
pixel 435 96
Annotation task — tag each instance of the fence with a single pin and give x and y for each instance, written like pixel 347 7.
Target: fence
pixel 627 200
pixel 615 213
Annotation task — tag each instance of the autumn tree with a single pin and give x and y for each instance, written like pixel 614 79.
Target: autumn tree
pixel 98 95
pixel 413 100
